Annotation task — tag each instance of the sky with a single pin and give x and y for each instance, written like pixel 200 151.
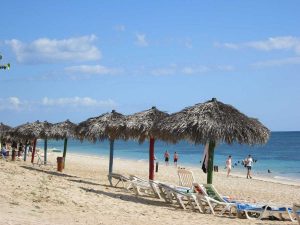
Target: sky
pixel 78 59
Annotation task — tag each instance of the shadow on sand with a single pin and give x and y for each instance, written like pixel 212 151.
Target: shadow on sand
pixel 130 198
pixel 48 172
pixel 84 182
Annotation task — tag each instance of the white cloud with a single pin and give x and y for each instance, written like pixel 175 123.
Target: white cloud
pixel 14 103
pixel 120 28
pixel 163 71
pixel 141 40
pixel 278 62
pixel 46 50
pixel 195 70
pixel 78 101
pixel 226 45
pixel 277 43
pixel 272 43
pixel 10 103
pixel 92 69
pixel 189 70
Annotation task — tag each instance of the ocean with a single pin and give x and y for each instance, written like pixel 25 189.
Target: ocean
pixel 281 155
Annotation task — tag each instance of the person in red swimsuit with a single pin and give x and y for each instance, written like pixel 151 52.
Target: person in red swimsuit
pixel 167 156
pixel 175 158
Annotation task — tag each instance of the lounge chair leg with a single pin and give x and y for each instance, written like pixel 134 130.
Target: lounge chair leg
pixel 110 181
pixel 199 206
pixel 180 202
pixel 191 203
pixel 117 183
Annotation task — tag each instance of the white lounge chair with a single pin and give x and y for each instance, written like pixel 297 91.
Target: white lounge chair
pixel 186 178
pixel 120 179
pixel 140 185
pixel 213 193
pixel 173 194
pixel 215 202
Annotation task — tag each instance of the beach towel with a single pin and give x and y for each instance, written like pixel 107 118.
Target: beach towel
pixel 246 206
pixel 205 158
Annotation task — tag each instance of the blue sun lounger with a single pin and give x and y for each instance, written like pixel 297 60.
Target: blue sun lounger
pixel 253 211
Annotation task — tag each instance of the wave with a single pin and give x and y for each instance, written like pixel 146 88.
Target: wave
pixel 286 178
pixel 54 149
pixel 294 172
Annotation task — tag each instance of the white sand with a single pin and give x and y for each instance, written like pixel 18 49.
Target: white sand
pixel 82 195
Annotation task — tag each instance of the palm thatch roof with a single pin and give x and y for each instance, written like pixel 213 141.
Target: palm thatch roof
pixel 65 129
pixel 213 121
pixel 143 124
pixel 33 130
pixel 3 129
pixel 106 126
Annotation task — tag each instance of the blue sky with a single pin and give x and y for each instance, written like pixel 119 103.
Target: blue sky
pixel 77 59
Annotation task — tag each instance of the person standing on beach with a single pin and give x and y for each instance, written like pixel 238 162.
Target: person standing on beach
pixel 175 158
pixel 228 165
pixel 248 164
pixel 167 156
pixel 3 151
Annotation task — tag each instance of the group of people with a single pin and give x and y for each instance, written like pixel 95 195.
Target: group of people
pixel 6 148
pixel 13 147
pixel 167 158
pixel 247 162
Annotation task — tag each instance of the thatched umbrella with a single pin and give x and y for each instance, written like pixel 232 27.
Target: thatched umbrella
pixel 63 130
pixel 3 131
pixel 213 122
pixel 32 131
pixel 141 126
pixel 106 126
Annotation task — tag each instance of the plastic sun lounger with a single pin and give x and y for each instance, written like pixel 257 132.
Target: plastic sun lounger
pixel 167 190
pixel 214 202
pixel 254 211
pixel 120 179
pixel 213 193
pixel 172 194
pixel 140 185
pixel 186 178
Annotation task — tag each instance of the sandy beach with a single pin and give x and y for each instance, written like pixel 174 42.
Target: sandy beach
pixel 82 195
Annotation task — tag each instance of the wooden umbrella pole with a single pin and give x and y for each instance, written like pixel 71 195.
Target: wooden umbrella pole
pixel 210 165
pixel 25 151
pixel 45 150
pixel 151 158
pixel 65 150
pixel 111 155
pixel 33 150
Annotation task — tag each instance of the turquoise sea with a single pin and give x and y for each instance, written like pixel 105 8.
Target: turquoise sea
pixel 281 154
